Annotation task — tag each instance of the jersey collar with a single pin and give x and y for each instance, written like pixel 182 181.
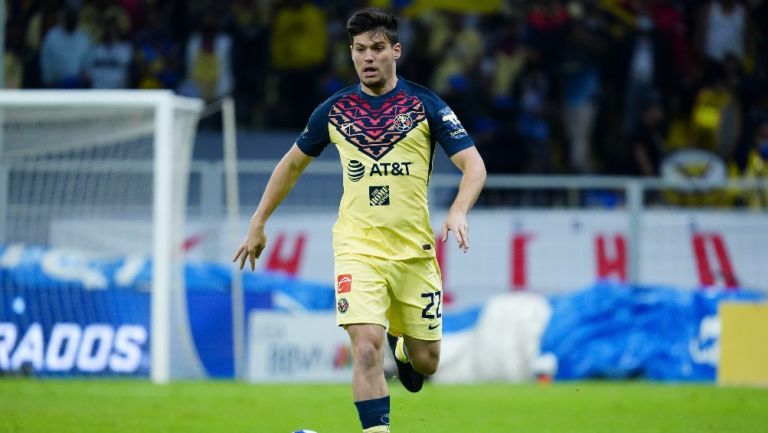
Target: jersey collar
pixel 384 97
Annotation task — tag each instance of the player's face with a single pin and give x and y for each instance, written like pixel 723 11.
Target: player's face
pixel 374 58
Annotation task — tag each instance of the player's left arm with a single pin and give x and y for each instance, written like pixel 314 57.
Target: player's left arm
pixel 472 168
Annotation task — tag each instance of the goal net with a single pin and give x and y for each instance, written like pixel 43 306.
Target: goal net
pixel 93 199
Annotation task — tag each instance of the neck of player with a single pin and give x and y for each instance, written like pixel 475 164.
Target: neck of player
pixel 385 87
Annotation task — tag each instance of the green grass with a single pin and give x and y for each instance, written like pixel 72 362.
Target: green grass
pixel 611 407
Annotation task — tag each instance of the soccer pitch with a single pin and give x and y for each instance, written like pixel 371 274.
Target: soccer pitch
pixel 102 406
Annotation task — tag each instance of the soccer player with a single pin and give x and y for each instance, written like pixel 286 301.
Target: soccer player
pixel 385 129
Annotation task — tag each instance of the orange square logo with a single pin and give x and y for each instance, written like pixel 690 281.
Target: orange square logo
pixel 344 283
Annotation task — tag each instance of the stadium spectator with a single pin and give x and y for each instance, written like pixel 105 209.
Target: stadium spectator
pixel 670 21
pixel 547 29
pixel 96 12
pixel 647 65
pixel 722 31
pixel 744 89
pixel 463 48
pixel 299 51
pixel 42 18
pixel 250 41
pixel 534 127
pixel 646 143
pixel 454 75
pixel 580 81
pixel 64 54
pixel 759 16
pixel 13 63
pixel 338 72
pixel 110 61
pixel 209 62
pixel 757 164
pixel 437 36
pixel 509 56
pixel 135 9
pixel 718 111
pixel 157 62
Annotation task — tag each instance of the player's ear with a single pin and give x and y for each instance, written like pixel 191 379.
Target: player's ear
pixel 396 49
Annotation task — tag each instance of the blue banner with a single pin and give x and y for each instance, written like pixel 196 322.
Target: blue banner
pixel 62 313
pixel 62 331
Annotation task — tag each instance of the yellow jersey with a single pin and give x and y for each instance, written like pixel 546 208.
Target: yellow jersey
pixel 386 144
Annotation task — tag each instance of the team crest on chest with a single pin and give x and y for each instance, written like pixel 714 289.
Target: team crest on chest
pixel 403 122
pixel 375 131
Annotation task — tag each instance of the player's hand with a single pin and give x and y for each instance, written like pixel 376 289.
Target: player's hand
pixel 252 246
pixel 456 222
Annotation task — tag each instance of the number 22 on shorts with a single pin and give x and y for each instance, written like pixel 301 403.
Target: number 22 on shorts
pixel 427 311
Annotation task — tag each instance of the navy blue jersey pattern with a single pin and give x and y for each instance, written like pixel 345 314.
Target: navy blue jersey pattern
pixel 374 124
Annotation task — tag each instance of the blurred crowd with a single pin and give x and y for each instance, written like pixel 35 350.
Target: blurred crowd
pixel 544 86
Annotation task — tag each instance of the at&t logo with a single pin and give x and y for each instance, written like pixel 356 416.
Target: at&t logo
pixel 355 170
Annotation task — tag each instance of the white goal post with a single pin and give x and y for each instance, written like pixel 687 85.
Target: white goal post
pixel 83 155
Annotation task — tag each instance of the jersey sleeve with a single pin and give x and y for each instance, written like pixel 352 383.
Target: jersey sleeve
pixel 447 129
pixel 315 136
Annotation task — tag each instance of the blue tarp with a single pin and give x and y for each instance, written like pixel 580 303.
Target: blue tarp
pixel 618 331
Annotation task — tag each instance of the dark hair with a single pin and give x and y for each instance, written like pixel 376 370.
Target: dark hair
pixel 373 19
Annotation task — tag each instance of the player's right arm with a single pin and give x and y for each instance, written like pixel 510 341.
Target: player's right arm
pixel 309 145
pixel 282 180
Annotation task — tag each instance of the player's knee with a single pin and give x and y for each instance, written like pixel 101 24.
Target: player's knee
pixel 367 354
pixel 426 362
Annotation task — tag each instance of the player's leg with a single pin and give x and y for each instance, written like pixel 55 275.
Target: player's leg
pixel 362 301
pixel 424 355
pixel 415 358
pixel 368 355
pixel 411 379
pixel 369 386
pixel 415 317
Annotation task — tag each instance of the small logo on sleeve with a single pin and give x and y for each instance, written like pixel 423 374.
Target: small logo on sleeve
pixel 344 283
pixel 452 124
pixel 378 195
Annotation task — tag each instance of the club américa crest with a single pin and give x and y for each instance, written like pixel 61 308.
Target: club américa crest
pixel 342 305
pixel 403 122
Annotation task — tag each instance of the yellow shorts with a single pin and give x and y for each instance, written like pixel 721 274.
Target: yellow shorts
pixel 405 293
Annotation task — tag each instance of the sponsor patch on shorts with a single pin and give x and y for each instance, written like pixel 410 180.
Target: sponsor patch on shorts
pixel 344 283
